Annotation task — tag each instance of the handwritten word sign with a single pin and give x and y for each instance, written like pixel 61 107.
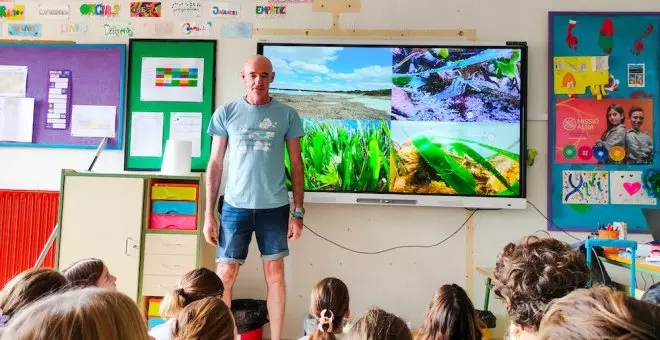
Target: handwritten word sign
pixel 12 12
pixel 54 11
pixel 74 28
pixel 271 10
pixel 187 9
pixel 99 9
pixel 198 29
pixel 24 30
pixel 118 30
pixel 225 9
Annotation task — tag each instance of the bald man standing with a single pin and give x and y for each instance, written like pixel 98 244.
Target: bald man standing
pixel 254 129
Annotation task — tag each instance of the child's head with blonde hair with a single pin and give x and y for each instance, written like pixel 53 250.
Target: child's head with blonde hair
pixel 80 314
pixel 205 319
pixel 600 313
pixel 28 287
pixel 194 285
pixel 378 324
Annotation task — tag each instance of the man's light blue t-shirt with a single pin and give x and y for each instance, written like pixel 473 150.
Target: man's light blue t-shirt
pixel 256 178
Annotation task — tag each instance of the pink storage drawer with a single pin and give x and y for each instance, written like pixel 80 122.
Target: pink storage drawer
pixel 173 222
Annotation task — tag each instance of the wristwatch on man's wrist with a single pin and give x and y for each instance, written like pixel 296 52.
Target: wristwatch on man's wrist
pixel 299 213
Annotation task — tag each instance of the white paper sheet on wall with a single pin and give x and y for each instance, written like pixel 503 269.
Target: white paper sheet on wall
pixel 187 126
pixel 16 119
pixel 93 121
pixel 13 81
pixel 147 134
pixel 172 79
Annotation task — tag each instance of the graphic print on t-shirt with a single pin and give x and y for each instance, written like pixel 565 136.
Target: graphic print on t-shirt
pixel 260 138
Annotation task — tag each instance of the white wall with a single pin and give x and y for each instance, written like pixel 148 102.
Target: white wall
pixel 403 280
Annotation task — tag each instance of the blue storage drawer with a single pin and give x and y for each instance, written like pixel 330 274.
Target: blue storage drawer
pixel 174 207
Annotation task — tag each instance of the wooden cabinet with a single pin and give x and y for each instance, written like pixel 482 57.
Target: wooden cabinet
pixel 146 228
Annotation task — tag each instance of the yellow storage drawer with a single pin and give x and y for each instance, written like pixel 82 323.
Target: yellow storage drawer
pixel 174 192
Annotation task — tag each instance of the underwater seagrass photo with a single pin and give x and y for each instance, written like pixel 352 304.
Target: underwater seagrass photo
pixel 456 158
pixel 456 84
pixel 345 155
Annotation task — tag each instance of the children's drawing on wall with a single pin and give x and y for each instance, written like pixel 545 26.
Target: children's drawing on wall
pixel 225 10
pixel 146 9
pixel 636 75
pixel 573 75
pixel 158 29
pixel 626 188
pixel 608 131
pixel 585 187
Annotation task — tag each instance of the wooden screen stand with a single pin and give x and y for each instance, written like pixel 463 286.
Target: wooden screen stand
pixel 336 7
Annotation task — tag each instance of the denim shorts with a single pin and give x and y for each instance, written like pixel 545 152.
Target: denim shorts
pixel 237 224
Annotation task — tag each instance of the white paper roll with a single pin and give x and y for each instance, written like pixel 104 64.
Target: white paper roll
pixel 177 158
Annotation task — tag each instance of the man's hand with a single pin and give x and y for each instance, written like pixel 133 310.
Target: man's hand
pixel 295 228
pixel 211 230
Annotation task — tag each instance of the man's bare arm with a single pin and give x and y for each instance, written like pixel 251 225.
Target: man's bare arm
pixel 214 173
pixel 297 171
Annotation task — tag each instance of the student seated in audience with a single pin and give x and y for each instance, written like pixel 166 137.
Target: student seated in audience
pixel 600 313
pixel 90 273
pixel 450 316
pixel 329 305
pixel 378 324
pixel 531 274
pixel 205 319
pixel 79 314
pixel 194 285
pixel 26 288
pixel 652 295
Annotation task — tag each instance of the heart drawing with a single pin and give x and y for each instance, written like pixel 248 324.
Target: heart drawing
pixel 632 188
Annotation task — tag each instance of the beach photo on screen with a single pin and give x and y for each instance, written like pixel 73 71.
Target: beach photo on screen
pixel 455 158
pixel 333 82
pixel 456 84
pixel 345 155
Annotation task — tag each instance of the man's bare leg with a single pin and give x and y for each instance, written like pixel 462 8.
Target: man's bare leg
pixel 227 273
pixel 275 296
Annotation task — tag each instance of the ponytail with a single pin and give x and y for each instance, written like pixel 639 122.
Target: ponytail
pixel 325 330
pixel 172 303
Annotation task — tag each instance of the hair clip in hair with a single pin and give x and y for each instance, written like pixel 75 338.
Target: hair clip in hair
pixel 4 319
pixel 326 320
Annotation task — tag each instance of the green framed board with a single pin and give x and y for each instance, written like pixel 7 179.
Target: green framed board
pixel 171 89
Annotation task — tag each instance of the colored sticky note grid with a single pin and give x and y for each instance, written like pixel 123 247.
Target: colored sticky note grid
pixel 176 77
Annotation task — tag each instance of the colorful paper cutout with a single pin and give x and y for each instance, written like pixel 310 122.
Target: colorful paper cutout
pixel 146 9
pixel 571 39
pixel 74 28
pixel 606 36
pixel 158 28
pixel 638 45
pixel 573 75
pixel 626 188
pixel 176 77
pixel 583 136
pixel 585 187
pixel 24 30
pixel 12 12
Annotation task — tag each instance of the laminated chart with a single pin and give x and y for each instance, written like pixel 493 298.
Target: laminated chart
pixel 177 77
pixel 59 97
